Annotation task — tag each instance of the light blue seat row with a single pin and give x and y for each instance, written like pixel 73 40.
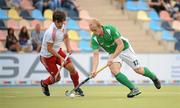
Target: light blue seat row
pixel 168 36
pixel 143 6
pixel 36 14
pixel 3 15
pixel 154 25
pixel 154 16
pixel 72 24
pixel 85 46
pixel 135 6
pixel 84 35
pixel 130 5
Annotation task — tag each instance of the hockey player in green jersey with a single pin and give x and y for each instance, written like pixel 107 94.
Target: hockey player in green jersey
pixel 109 38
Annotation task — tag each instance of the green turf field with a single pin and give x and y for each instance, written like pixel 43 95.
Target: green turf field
pixel 96 97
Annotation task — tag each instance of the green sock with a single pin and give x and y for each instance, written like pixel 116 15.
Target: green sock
pixel 124 80
pixel 149 74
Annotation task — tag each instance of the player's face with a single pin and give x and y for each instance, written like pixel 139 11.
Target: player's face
pixel 96 30
pixel 59 24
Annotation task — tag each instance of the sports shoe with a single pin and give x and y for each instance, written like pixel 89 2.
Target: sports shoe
pixel 157 83
pixel 79 92
pixel 45 89
pixel 134 92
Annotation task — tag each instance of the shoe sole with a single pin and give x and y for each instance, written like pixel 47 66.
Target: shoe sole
pixel 158 86
pixel 134 95
pixel 79 96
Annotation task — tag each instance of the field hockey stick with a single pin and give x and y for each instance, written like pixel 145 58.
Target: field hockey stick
pixel 67 93
pixel 67 55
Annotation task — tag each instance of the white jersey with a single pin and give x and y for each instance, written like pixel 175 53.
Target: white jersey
pixel 52 35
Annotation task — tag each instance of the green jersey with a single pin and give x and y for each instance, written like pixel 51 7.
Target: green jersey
pixel 107 41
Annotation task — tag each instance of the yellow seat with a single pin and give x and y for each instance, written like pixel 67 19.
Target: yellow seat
pixel 13 14
pixel 48 14
pixel 73 35
pixel 142 15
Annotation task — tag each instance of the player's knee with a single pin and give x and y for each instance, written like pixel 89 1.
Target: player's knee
pixel 139 70
pixel 114 72
pixel 70 67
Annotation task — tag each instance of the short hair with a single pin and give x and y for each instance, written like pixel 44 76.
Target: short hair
pixel 94 23
pixel 59 16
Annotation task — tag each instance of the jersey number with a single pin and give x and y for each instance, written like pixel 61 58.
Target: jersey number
pixel 136 62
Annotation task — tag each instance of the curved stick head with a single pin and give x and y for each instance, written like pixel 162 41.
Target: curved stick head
pixel 67 93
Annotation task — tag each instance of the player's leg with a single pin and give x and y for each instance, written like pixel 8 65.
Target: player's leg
pixel 50 65
pixel 147 73
pixel 73 73
pixel 131 59
pixel 115 70
pixel 75 78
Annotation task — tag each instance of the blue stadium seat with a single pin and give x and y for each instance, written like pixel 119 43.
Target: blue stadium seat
pixel 154 25
pixel 36 14
pixel 72 24
pixel 154 16
pixel 84 35
pixel 3 15
pixel 143 6
pixel 131 6
pixel 167 36
pixel 85 46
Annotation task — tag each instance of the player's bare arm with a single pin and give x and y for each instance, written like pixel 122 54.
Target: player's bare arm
pixel 118 50
pixel 67 43
pixel 52 51
pixel 95 62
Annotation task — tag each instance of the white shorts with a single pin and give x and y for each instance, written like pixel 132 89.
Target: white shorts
pixel 129 57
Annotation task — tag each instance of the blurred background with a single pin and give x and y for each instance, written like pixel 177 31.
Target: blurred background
pixel 152 27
